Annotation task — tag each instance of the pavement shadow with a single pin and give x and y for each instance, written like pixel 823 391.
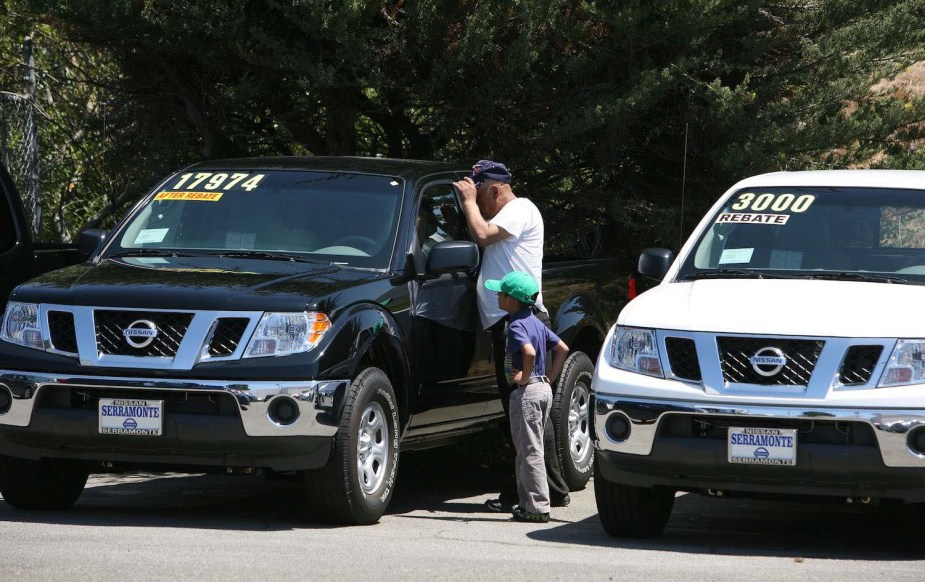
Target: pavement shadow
pixel 219 502
pixel 427 480
pixel 745 527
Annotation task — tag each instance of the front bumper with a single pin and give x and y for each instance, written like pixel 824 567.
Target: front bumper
pixel 680 444
pixel 205 422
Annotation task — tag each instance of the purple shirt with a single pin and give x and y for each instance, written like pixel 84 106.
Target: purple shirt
pixel 526 328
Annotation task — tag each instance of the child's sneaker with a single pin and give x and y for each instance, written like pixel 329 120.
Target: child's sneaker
pixel 521 514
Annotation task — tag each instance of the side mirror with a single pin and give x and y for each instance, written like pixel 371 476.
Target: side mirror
pixel 655 262
pixel 452 256
pixel 90 241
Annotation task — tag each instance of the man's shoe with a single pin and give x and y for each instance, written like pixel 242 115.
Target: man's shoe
pixel 561 501
pixel 499 505
pixel 521 514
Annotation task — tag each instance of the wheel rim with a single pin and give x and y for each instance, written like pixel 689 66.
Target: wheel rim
pixel 372 448
pixel 579 437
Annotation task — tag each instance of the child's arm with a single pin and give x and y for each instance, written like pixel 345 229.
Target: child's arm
pixel 528 353
pixel 559 352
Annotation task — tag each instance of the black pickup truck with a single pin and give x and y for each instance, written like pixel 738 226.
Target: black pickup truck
pixel 313 316
pixel 21 258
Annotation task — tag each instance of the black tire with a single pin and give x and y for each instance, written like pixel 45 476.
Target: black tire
pixel 43 484
pixel 340 492
pixel 631 512
pixel 571 418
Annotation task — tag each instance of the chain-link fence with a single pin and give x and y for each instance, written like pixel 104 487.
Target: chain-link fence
pixel 19 147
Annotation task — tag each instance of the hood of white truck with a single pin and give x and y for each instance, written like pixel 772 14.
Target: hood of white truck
pixel 782 307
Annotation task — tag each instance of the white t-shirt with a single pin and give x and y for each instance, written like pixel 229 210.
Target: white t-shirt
pixel 522 251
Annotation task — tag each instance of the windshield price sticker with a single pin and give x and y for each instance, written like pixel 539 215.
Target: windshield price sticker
pixel 202 196
pixel 218 181
pixel 151 235
pixel 131 417
pixel 775 202
pixel 727 217
pixel 762 446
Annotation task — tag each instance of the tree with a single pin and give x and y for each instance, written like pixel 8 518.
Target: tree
pixel 611 114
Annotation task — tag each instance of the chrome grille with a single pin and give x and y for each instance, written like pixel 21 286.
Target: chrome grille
pixel 682 357
pixel 735 354
pixel 171 326
pixel 859 364
pixel 62 332
pixel 227 335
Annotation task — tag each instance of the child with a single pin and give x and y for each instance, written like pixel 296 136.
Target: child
pixel 531 394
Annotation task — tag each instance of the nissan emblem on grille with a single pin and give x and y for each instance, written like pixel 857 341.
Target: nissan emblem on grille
pixel 140 334
pixel 768 361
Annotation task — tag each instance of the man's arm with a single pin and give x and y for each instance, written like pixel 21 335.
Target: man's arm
pixel 483 232
pixel 559 353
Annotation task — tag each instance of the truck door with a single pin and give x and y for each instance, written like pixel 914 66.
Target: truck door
pixel 15 248
pixel 452 354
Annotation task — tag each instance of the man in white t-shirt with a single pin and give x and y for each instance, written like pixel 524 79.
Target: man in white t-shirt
pixel 510 229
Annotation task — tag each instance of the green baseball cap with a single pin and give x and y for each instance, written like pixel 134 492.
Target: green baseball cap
pixel 519 285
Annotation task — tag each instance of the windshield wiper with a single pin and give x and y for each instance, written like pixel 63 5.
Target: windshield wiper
pixel 854 276
pixel 150 253
pixel 723 274
pixel 268 256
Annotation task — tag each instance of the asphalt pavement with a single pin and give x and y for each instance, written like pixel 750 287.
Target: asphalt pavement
pixel 222 527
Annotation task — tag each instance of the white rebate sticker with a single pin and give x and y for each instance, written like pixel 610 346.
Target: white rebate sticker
pixel 730 217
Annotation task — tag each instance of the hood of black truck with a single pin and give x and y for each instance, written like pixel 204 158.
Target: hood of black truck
pixel 201 282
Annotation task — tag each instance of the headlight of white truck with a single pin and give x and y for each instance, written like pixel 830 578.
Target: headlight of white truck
pixel 636 350
pixel 906 364
pixel 21 325
pixel 281 334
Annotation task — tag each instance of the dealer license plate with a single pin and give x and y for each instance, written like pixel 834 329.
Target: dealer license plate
pixel 132 417
pixel 762 446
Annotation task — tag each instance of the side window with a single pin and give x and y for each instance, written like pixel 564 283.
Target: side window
pixel 7 226
pixel 439 218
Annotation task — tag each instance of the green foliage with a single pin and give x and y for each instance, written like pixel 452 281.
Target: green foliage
pixel 608 112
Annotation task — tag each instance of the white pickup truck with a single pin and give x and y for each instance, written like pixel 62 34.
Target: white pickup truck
pixel 782 353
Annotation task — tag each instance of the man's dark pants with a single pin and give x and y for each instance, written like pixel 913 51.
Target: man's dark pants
pixel 558 489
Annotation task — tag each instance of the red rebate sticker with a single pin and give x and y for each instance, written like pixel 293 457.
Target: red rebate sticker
pixel 201 196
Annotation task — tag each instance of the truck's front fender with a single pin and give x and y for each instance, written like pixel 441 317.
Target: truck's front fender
pixel 367 334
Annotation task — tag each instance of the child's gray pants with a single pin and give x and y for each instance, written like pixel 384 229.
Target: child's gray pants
pixel 529 412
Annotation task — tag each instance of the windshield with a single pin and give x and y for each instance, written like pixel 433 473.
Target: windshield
pixel 874 234
pixel 344 218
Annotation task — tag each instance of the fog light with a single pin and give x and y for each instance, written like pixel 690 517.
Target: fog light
pixel 916 441
pixel 6 399
pixel 283 410
pixel 618 427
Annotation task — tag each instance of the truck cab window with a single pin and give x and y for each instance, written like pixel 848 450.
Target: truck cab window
pixel 439 218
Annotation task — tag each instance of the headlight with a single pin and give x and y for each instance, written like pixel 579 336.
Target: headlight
pixel 281 334
pixel 21 325
pixel 906 364
pixel 635 350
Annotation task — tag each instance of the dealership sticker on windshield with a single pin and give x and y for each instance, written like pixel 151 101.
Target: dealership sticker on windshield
pixel 151 235
pixel 735 256
pixel 762 446
pixel 202 196
pixel 219 181
pixel 727 217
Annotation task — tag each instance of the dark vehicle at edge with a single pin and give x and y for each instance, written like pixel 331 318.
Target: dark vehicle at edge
pixel 21 258
pixel 313 316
